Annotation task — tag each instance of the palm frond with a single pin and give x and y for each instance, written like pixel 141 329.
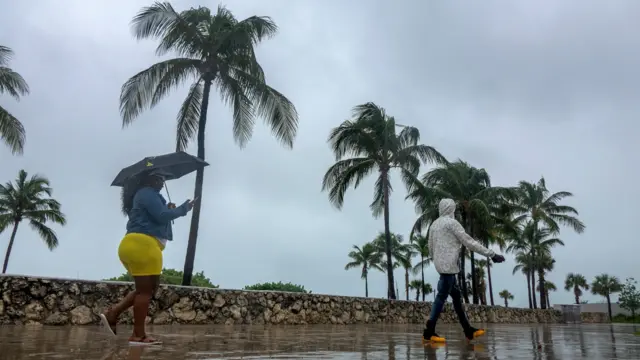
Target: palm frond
pixel 46 234
pixel 146 88
pixel 12 132
pixel 343 174
pixel 12 83
pixel 189 116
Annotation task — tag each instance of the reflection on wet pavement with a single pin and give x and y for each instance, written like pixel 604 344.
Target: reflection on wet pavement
pixel 323 342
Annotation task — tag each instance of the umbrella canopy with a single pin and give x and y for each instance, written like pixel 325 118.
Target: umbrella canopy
pixel 171 166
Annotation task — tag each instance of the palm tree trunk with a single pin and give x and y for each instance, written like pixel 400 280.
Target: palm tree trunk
pixel 609 306
pixel 418 294
pixel 490 283
pixel 506 303
pixel 529 290
pixel 365 272
pixel 533 289
pixel 546 292
pixel 474 282
pixel 575 292
pixel 391 294
pixel 543 297
pixel 422 267
pixel 195 216
pixel 8 254
pixel 406 282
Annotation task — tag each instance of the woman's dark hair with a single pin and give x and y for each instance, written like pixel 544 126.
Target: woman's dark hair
pixel 129 190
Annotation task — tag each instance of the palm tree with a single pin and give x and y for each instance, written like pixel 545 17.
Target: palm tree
pixel 506 295
pixel 538 204
pixel 29 199
pixel 368 143
pixel 471 189
pixel 420 245
pixel 427 289
pixel 525 264
pixel 577 283
pixel 11 130
pixel 548 287
pixel 404 260
pixel 366 257
pixel 605 285
pixel 540 245
pixel 416 285
pixel 213 49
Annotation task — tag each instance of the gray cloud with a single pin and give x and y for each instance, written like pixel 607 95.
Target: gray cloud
pixel 521 89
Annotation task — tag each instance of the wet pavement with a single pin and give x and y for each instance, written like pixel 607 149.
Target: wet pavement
pixel 323 342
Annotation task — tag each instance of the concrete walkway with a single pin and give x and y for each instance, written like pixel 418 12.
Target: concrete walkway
pixel 323 342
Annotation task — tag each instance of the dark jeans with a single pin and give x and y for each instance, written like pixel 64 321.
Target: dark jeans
pixel 447 285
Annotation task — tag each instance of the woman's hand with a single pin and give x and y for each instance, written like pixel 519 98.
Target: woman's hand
pixel 171 205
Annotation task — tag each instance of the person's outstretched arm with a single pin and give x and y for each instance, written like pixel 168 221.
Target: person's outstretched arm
pixel 149 200
pixel 468 241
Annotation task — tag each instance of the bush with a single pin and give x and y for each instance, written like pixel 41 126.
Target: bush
pixel 621 318
pixel 279 286
pixel 173 277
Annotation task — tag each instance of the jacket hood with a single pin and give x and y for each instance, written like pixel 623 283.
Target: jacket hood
pixel 447 207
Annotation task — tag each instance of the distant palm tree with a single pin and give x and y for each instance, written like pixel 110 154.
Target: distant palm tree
pixel 506 295
pixel 366 258
pixel 525 265
pixel 576 283
pixel 538 204
pixel 29 199
pixel 404 260
pixel 416 285
pixel 605 285
pixel 366 144
pixel 427 289
pixel 548 287
pixel 420 245
pixel 214 50
pixel 11 130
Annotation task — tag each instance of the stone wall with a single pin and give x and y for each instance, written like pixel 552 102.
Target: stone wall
pixel 61 302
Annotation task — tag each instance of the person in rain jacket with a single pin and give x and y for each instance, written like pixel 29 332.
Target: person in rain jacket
pixel 446 237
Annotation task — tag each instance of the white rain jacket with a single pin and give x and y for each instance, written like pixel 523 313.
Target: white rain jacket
pixel 446 237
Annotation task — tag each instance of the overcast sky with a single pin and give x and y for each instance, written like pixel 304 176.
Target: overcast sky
pixel 521 88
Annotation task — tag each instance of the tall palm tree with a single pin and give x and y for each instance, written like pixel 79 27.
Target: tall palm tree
pixel 367 258
pixel 369 143
pixel 576 283
pixel 538 204
pixel 471 189
pixel 605 285
pixel 541 242
pixel 548 287
pixel 214 50
pixel 506 295
pixel 29 199
pixel 420 245
pixel 11 130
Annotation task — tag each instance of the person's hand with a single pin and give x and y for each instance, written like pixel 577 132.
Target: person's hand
pixel 497 258
pixel 190 203
pixel 171 205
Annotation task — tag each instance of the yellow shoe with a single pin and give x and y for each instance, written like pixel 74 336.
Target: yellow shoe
pixel 433 337
pixel 473 333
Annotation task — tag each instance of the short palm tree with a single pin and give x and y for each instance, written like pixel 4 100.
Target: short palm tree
pixel 366 258
pixel 416 285
pixel 29 199
pixel 214 50
pixel 576 283
pixel 420 245
pixel 11 130
pixel 506 295
pixel 548 287
pixel 605 285
pixel 427 289
pixel 525 265
pixel 369 143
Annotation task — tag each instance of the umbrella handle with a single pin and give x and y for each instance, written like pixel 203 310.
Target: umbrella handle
pixel 168 196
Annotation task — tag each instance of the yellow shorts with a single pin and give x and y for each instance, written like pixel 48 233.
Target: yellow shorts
pixel 141 254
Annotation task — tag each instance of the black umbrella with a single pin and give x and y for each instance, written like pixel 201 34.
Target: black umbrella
pixel 172 166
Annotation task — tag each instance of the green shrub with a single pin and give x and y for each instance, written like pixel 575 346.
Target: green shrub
pixel 173 277
pixel 279 286
pixel 621 318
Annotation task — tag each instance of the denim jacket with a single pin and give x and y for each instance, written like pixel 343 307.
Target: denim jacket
pixel 150 215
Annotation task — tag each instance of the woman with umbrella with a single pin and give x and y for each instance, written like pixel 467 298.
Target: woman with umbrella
pixel 140 251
